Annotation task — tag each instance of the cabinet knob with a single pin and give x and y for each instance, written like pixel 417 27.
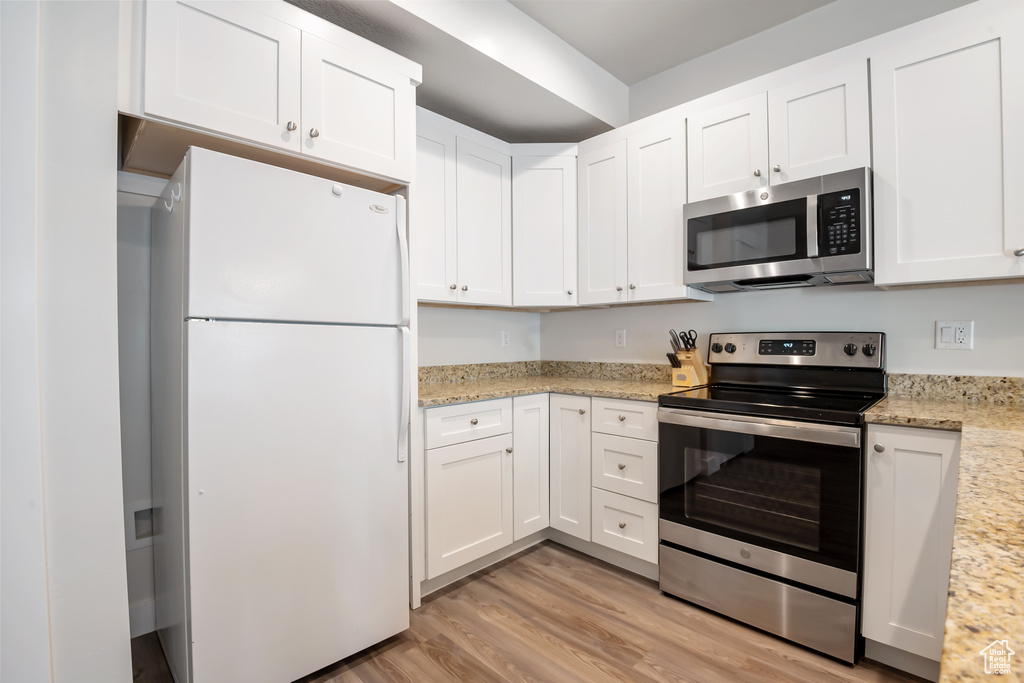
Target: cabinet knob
pixel 619 288
pixel 622 466
pixel 632 286
pixel 622 418
pixel 757 173
pixel 1018 252
pixel 777 168
pixel 292 125
pixel 314 133
pixel 474 421
pixel 622 525
pixel 453 286
pixel 879 448
pixel 582 412
pixel 465 288
pixel 569 292
pixel 508 450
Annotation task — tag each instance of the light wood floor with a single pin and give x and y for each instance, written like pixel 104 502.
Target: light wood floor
pixel 552 614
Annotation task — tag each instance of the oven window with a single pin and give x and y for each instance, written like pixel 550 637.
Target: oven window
pixel 760 234
pixel 797 497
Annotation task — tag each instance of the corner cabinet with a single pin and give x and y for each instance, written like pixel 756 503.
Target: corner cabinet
pixel 234 70
pixel 812 127
pixel 910 508
pixel 543 229
pixel 631 194
pixel 948 119
pixel 461 215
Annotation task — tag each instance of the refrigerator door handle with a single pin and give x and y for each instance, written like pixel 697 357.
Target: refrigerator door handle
pixel 403 250
pixel 403 424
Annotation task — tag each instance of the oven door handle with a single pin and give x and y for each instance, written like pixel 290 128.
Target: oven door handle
pixel 796 431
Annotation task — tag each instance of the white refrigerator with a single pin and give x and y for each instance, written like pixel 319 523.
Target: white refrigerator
pixel 280 375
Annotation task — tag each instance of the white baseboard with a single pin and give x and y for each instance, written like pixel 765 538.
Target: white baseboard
pixel 430 585
pixel 142 617
pixel 648 570
pixel 902 660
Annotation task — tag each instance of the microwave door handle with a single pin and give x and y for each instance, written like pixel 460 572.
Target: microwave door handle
pixel 812 226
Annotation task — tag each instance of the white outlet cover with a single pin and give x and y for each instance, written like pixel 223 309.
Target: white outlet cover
pixel 954 334
pixel 620 339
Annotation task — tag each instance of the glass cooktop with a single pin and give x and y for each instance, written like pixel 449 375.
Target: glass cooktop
pixel 823 406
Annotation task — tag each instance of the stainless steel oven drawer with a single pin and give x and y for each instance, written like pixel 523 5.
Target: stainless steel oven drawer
pixel 820 623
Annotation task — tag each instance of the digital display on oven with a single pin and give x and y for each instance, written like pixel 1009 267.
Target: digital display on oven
pixel 785 347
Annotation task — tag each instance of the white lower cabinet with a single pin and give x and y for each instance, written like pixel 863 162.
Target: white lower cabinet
pixel 570 465
pixel 910 507
pixel 625 524
pixel 486 478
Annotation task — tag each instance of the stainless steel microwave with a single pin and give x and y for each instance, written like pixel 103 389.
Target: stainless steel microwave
pixel 804 233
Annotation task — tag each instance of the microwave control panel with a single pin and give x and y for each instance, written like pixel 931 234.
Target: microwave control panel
pixel 839 223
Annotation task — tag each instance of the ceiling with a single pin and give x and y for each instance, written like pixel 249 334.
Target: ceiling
pixel 561 70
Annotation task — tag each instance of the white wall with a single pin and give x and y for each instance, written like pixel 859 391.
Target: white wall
pixel 449 336
pixel 76 252
pixel 24 619
pixel 823 30
pixel 906 316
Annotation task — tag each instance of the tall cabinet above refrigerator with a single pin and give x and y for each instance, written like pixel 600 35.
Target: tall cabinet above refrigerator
pixel 280 353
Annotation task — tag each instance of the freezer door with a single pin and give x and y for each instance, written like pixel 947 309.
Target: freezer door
pixel 297 503
pixel 266 243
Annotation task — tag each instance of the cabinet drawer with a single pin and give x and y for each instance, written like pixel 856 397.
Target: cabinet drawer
pixel 626 466
pixel 446 425
pixel 636 419
pixel 625 524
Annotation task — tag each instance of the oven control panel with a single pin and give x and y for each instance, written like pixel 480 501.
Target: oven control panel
pixel 822 349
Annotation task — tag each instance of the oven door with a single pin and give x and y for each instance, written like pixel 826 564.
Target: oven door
pixel 778 496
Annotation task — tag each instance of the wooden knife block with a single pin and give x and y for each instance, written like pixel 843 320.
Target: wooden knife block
pixel 693 372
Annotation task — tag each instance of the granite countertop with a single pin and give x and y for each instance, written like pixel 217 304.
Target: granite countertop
pixel 986 584
pixel 443 393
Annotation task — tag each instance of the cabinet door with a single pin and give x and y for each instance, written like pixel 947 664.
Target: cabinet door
pixel 602 224
pixel 224 67
pixel 948 119
pixel 483 199
pixel 544 231
pixel 910 507
pixel 469 502
pixel 819 125
pixel 570 465
pixel 356 112
pixel 432 228
pixel 727 149
pixel 656 192
pixel 529 465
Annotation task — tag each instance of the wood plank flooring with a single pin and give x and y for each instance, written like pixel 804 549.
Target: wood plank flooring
pixel 552 614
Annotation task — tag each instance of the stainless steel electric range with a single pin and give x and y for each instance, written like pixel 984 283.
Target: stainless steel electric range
pixel 760 477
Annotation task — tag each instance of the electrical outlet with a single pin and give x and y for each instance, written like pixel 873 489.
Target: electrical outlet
pixel 954 334
pixel 506 338
pixel 620 339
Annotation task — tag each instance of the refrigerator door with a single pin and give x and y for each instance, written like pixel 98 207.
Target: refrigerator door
pixel 297 503
pixel 267 243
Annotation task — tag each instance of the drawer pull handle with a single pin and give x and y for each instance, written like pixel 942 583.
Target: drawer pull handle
pixel 622 418
pixel 508 450
pixel 622 466
pixel 473 421
pixel 879 448
pixel 622 525
pixel 582 412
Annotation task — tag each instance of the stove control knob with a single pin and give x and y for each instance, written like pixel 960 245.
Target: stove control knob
pixel 730 348
pixel 850 349
pixel 716 347
pixel 869 349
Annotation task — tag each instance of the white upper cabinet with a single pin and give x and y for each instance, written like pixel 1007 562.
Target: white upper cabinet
pixel 236 70
pixel 483 213
pixel 631 195
pixel 224 67
pixel 433 231
pixel 948 117
pixel 544 230
pixel 602 224
pixel 354 111
pixel 809 128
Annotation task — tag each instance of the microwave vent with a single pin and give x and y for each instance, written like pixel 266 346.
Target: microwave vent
pixel 721 287
pixel 847 278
